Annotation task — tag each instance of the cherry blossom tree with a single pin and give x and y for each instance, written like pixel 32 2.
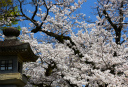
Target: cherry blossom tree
pixel 86 58
pixel 112 15
pixel 58 26
pixel 59 66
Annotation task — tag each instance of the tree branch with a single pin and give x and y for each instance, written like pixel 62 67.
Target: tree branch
pixel 36 9
pixel 38 28
pixel 109 20
pixel 61 39
pixel 26 16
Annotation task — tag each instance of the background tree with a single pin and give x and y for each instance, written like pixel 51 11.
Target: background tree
pixel 8 11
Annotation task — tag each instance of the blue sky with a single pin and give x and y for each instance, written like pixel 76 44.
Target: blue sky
pixel 87 8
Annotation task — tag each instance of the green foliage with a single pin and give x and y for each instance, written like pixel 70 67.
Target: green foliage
pixel 8 11
pixel 5 3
